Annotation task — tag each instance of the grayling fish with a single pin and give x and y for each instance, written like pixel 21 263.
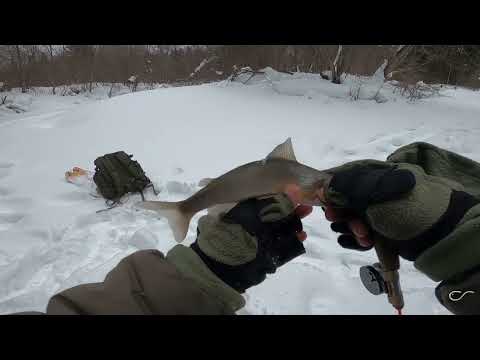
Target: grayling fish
pixel 268 176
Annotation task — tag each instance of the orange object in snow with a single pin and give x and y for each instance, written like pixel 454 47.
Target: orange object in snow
pixel 75 173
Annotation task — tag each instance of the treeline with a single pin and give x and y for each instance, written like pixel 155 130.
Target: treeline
pixel 25 66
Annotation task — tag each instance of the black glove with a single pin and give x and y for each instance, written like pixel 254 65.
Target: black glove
pixel 399 201
pixel 355 186
pixel 423 201
pixel 253 239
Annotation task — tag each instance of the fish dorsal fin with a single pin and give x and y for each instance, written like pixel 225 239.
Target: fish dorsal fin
pixel 205 182
pixel 283 151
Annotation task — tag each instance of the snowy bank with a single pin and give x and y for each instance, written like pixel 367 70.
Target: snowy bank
pixel 52 238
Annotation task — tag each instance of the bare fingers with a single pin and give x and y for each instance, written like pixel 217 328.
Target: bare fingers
pixel 360 231
pixel 357 227
pixel 294 194
pixel 302 236
pixel 303 211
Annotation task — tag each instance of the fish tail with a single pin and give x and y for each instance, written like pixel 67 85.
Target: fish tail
pixel 177 219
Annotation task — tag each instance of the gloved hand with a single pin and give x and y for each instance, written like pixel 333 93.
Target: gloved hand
pixel 430 220
pixel 251 240
pixel 353 189
pixel 399 201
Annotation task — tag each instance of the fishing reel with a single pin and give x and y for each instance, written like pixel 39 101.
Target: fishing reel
pixel 378 281
pixel 383 277
pixel 372 278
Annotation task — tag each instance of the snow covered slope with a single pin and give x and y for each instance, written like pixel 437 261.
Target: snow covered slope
pixel 51 237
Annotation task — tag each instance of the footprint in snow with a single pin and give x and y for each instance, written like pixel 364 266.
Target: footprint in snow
pixel 40 233
pixel 350 152
pixel 376 137
pixel 383 148
pixel 397 141
pixel 11 211
pixel 75 196
pixel 88 220
pixel 4 172
pixel 5 191
pixel 5 165
pixel 353 260
pixel 18 204
pixel 8 219
pixel 180 188
pixel 142 239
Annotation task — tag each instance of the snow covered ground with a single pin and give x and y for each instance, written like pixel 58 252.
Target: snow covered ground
pixel 51 237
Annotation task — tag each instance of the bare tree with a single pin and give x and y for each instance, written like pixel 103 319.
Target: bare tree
pixel 396 59
pixel 17 60
pixel 50 67
pixel 92 66
pixel 337 65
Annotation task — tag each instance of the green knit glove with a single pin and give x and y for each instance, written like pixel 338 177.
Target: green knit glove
pixel 415 211
pixel 229 242
pixel 235 250
pixel 253 239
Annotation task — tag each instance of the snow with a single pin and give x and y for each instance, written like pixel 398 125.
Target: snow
pixel 51 237
pixel 380 72
pixel 42 99
pixel 312 85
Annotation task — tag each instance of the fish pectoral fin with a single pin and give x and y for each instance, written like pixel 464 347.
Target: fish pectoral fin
pixel 283 151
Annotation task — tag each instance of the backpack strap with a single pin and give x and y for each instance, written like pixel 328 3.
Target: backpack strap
pixel 115 204
pixel 111 204
pixel 153 188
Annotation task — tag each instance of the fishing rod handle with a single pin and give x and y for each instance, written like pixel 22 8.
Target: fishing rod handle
pixel 390 264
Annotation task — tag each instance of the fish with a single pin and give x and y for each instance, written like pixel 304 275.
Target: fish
pixel 268 176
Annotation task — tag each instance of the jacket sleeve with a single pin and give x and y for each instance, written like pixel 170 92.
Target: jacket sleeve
pixel 144 283
pixel 455 260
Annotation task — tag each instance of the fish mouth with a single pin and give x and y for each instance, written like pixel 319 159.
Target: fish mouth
pixel 312 199
pixel 324 184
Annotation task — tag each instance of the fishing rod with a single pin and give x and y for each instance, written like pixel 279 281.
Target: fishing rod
pixel 383 277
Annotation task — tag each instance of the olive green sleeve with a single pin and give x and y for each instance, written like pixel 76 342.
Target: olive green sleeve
pixel 456 253
pixel 192 267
